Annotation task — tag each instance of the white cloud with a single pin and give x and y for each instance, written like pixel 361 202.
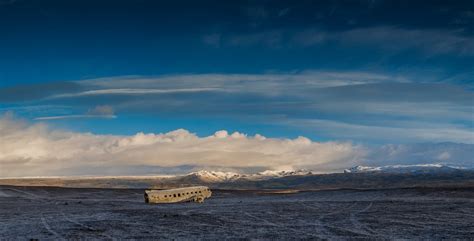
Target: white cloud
pixel 221 134
pixel 36 150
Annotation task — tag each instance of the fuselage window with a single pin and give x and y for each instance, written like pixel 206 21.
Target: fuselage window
pixel 199 191
pixel 187 193
pixel 174 195
pixel 179 194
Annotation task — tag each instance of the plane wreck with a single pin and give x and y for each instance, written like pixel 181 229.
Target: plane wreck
pixel 185 194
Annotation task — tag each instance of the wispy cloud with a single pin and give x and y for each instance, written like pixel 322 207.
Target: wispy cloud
pixel 62 117
pixel 28 92
pixel 431 42
pixel 312 78
pixel 213 39
pixel 388 131
pixel 272 39
pixel 388 38
pixel 102 111
pixel 131 92
pixel 7 2
pixel 355 98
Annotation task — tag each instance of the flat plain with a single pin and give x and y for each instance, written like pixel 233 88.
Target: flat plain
pixel 49 213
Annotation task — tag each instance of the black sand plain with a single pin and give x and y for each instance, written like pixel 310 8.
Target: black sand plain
pixel 50 213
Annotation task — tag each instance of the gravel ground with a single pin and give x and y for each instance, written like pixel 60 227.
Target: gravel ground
pixel 67 213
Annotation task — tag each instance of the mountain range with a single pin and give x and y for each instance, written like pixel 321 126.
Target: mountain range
pixel 355 177
pixel 218 176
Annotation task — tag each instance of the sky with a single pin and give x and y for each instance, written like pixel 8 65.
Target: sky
pixel 142 87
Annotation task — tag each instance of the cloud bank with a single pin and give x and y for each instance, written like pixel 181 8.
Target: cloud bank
pixel 37 150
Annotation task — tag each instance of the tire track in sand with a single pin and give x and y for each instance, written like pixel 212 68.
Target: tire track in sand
pixel 365 230
pixel 49 229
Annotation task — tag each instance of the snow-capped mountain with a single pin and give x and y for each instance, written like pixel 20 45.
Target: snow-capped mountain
pixel 403 168
pixel 214 176
pixel 273 174
pixel 218 176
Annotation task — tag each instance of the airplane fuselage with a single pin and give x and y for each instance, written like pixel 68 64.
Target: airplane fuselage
pixel 185 194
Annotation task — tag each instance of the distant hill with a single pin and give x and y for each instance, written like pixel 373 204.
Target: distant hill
pixel 356 177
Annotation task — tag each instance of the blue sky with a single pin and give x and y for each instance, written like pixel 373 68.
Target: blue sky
pixel 405 57
pixel 365 72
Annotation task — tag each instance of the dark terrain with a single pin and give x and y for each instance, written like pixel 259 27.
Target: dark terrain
pixel 85 213
pixel 458 178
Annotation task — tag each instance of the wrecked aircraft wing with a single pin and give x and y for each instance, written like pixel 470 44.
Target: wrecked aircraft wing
pixel 185 194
